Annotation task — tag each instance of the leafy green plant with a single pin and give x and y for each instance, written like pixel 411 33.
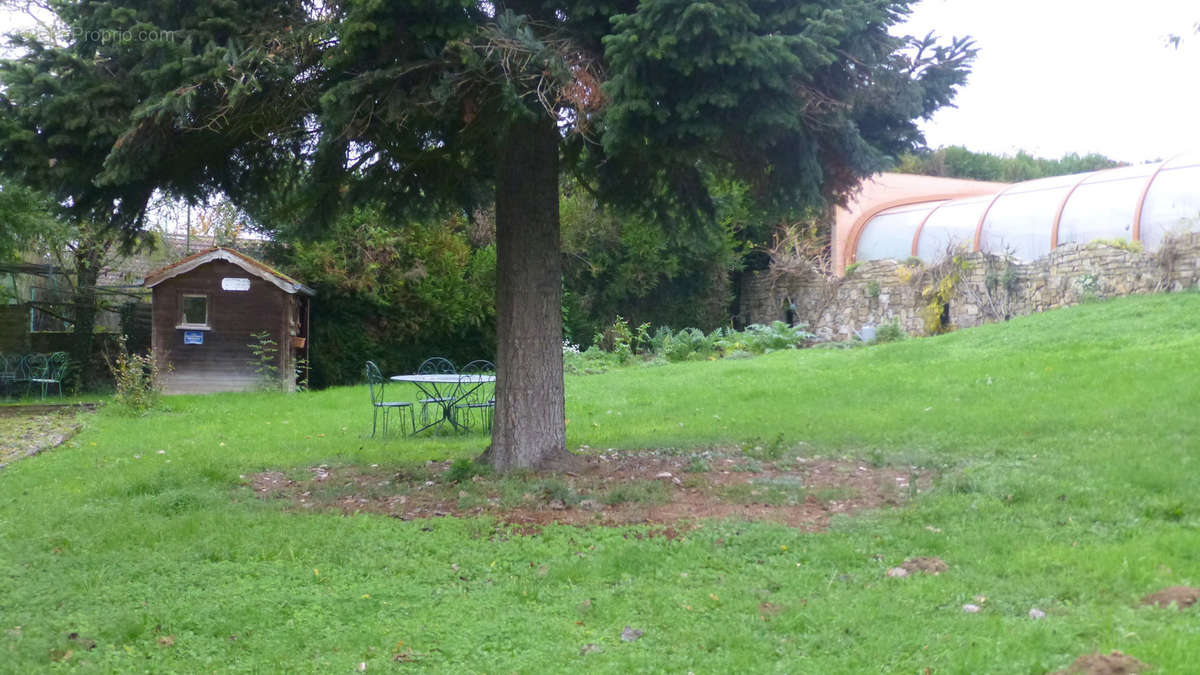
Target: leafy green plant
pixel 618 344
pixel 264 351
pixel 642 340
pixel 302 373
pixel 769 451
pixel 1089 284
pixel 638 492
pixel 687 342
pixel 554 489
pixel 872 289
pixel 938 285
pixel 136 377
pixel 617 339
pixel 1006 279
pixel 1118 243
pixel 591 361
pixel 889 332
pixel 463 470
pixel 778 335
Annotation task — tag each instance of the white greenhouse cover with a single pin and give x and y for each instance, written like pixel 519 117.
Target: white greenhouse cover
pixel 1145 203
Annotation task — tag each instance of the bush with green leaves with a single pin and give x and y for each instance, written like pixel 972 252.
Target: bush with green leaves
pixel 646 268
pixel 777 335
pixel 396 293
pixel 136 376
pixel 618 344
pixel 590 361
pixel 463 470
pixel 890 332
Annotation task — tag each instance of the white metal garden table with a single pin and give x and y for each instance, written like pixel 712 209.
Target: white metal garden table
pixel 445 391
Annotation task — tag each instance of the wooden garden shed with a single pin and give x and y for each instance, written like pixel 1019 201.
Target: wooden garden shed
pixel 207 308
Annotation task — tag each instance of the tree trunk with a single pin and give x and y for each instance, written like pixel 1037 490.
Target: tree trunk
pixel 88 258
pixel 529 429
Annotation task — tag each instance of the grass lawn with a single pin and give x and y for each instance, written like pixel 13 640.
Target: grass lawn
pixel 1063 450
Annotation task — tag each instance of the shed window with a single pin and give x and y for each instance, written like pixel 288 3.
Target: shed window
pixel 195 311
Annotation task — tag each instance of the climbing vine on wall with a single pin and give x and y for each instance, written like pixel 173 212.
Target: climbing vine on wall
pixel 938 284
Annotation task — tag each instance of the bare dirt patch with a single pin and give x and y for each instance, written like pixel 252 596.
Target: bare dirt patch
pixel 606 489
pixel 1182 596
pixel 1096 663
pixel 27 430
pixel 933 566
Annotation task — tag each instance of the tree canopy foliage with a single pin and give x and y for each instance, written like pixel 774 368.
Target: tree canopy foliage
pixel 626 264
pixel 23 215
pixel 393 293
pixel 429 106
pixel 958 162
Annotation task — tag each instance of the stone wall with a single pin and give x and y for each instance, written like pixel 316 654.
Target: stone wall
pixel 986 287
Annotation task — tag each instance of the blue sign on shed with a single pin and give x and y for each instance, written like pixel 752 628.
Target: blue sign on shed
pixel 193 337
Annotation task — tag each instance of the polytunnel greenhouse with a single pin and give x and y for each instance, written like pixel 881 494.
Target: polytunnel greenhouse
pixel 1144 203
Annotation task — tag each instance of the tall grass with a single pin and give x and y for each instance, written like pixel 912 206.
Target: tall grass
pixel 1064 449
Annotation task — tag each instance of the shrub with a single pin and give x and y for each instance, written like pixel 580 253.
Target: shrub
pixel 618 344
pixel 463 470
pixel 136 377
pixel 890 332
pixel 395 294
pixel 778 335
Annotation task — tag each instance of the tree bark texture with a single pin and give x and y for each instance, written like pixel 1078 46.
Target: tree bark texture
pixel 529 428
pixel 88 258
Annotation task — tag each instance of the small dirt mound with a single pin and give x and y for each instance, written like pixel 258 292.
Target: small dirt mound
pixel 1096 663
pixel 1182 596
pixel 926 565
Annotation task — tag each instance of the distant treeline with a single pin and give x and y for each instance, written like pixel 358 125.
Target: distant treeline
pixel 958 162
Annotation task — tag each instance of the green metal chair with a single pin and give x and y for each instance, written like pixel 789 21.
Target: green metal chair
pixel 480 399
pixel 435 365
pixel 33 367
pixel 8 372
pixel 52 374
pixel 375 383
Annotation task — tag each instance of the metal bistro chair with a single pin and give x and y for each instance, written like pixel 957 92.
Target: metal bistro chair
pixel 33 368
pixel 52 374
pixel 481 399
pixel 8 372
pixel 436 366
pixel 375 383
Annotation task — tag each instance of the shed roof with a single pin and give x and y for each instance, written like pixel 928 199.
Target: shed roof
pixel 252 266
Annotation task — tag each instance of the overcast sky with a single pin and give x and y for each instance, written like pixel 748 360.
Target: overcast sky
pixel 1059 76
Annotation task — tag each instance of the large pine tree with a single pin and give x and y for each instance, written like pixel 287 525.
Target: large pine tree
pixel 430 105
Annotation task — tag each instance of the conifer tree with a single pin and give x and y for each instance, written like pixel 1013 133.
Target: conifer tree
pixel 431 105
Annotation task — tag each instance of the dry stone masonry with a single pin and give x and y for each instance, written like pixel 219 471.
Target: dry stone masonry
pixel 987 287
